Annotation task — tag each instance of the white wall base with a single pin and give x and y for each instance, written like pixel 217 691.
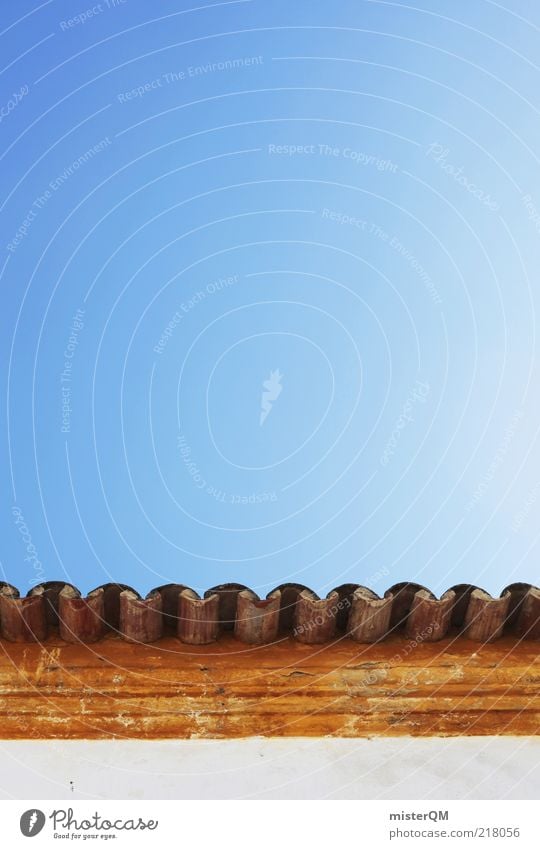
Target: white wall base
pixel 294 768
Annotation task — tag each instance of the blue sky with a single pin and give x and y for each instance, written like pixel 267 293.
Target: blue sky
pixel 329 213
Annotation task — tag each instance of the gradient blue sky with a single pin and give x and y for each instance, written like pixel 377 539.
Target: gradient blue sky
pixel 196 196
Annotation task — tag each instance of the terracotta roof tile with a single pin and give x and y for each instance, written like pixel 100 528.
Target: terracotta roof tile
pixel 291 609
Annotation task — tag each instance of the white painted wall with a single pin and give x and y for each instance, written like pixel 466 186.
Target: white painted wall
pixel 297 768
